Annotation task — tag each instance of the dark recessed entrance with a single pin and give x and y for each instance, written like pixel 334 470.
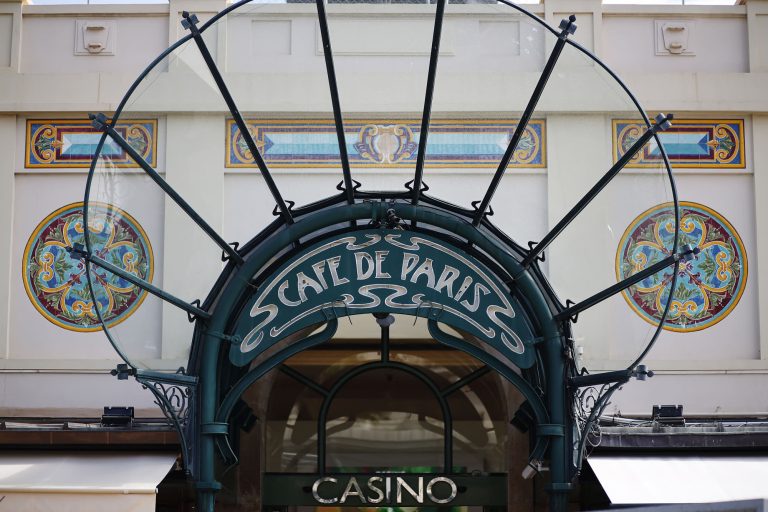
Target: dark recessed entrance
pixel 377 425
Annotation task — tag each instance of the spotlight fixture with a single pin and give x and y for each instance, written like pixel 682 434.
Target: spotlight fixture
pixel 117 416
pixel 671 415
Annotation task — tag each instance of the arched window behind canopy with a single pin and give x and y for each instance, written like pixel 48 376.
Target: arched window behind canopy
pixel 386 418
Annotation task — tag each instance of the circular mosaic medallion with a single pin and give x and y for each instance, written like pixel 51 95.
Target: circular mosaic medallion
pixel 56 282
pixel 708 287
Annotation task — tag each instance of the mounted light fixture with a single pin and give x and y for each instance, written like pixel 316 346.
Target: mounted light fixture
pixel 670 415
pixel 117 416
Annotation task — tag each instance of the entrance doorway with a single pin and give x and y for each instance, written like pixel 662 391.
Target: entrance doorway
pixel 377 424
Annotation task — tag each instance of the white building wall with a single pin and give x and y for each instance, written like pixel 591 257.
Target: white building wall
pixel 272 58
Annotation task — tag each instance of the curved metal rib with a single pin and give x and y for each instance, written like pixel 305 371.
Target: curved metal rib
pixel 662 123
pixel 567 27
pixel 189 308
pixel 523 386
pixel 415 372
pixel 349 190
pixel 424 133
pixel 686 254
pixel 273 361
pixel 100 123
pixel 190 22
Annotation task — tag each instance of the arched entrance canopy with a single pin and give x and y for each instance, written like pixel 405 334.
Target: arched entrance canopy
pixel 368 252
pixel 518 308
pixel 528 313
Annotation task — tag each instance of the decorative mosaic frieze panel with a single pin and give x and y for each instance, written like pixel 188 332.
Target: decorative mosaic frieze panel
pixel 386 142
pixel 72 143
pixel 693 143
pixel 57 284
pixel 708 287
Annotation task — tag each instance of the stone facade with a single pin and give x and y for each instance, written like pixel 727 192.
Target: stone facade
pixel 714 360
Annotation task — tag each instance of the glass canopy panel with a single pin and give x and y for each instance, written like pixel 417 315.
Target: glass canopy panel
pixel 138 337
pixel 126 231
pixel 381 83
pixel 599 247
pixel 619 328
pixel 492 57
pixel 381 56
pixel 170 124
pixel 275 71
pixel 540 187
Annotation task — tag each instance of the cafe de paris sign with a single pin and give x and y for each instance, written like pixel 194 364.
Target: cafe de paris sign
pixel 376 270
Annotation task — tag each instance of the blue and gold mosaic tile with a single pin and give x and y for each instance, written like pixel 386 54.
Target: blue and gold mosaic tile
pixel 386 142
pixel 690 143
pixel 56 282
pixel 72 143
pixel 708 287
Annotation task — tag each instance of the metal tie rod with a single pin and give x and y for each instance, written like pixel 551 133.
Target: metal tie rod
pixel 190 22
pixel 300 377
pixel 333 86
pixel 686 254
pixel 99 122
pixel 662 122
pixel 568 27
pixel 424 133
pixel 467 379
pixel 641 372
pixel 79 250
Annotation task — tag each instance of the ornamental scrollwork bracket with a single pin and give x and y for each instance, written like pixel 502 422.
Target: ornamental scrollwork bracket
pixel 175 394
pixel 592 394
pixel 587 399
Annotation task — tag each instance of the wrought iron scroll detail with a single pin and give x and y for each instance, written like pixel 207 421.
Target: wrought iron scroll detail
pixel 589 405
pixel 586 400
pixel 175 394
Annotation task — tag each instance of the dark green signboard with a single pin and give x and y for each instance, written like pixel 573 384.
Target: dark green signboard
pixel 383 271
pixel 384 490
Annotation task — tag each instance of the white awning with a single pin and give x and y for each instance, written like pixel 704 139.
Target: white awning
pixel 82 482
pixel 662 479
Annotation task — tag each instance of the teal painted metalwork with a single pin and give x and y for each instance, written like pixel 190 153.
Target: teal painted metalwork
pixel 383 271
pixel 534 399
pixel 539 311
pixel 540 344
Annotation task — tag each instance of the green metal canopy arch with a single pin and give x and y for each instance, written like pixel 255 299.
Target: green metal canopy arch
pixel 358 252
pixel 544 346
